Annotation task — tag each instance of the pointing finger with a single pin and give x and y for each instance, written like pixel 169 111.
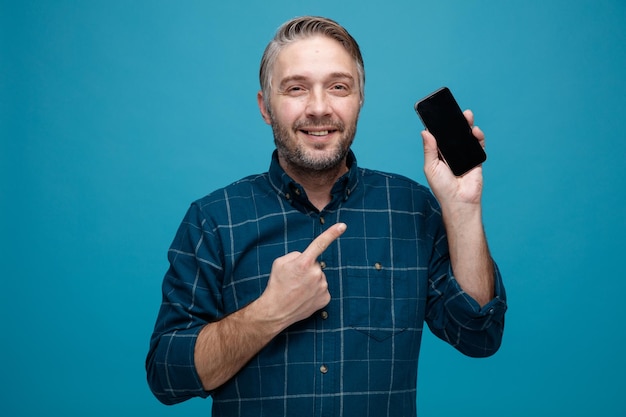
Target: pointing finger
pixel 323 241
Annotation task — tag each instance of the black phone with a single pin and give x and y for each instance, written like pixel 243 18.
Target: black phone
pixel 443 117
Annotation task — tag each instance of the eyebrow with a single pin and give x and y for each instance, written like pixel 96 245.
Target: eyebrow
pixel 331 76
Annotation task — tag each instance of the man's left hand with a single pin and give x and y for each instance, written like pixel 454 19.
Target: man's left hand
pixel 449 189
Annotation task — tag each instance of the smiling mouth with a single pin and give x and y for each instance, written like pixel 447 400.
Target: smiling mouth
pixel 318 132
pixel 319 128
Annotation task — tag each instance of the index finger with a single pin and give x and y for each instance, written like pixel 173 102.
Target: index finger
pixel 469 116
pixel 323 241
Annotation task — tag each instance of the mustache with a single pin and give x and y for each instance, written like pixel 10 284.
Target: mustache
pixel 319 123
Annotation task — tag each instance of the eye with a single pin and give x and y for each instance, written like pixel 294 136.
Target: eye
pixel 295 90
pixel 340 89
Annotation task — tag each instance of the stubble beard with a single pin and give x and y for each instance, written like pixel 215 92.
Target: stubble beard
pixel 305 160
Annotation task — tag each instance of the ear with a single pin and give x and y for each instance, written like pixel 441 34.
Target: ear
pixel 264 112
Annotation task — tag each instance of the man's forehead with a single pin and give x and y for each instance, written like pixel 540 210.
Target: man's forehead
pixel 314 54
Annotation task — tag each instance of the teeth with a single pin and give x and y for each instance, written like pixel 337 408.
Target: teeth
pixel 320 133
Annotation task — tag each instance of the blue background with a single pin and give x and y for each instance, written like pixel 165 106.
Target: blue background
pixel 115 115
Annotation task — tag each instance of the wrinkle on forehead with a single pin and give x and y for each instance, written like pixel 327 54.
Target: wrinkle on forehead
pixel 314 57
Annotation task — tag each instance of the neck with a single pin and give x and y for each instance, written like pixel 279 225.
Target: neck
pixel 317 184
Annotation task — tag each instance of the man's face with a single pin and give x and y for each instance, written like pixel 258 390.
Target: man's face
pixel 315 103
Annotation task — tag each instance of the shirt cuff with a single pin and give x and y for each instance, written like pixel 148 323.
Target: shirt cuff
pixel 177 376
pixel 468 314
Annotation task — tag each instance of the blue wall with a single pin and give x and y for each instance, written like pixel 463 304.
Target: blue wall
pixel 115 115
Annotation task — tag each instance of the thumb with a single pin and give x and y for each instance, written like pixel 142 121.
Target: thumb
pixel 431 153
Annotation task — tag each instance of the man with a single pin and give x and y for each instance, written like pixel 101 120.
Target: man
pixel 303 290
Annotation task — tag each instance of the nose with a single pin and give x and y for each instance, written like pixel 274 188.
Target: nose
pixel 318 104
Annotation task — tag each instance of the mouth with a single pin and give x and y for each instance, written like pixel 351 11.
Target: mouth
pixel 318 132
pixel 320 129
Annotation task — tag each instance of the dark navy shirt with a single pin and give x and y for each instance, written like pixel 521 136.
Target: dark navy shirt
pixel 387 274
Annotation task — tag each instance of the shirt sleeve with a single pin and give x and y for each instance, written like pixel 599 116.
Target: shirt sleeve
pixel 191 299
pixel 458 319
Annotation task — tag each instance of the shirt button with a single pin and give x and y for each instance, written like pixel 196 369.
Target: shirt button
pixel 324 315
pixel 288 196
pixel 322 221
pixel 323 265
pixel 323 369
pixel 378 266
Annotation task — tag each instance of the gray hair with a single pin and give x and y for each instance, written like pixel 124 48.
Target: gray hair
pixel 301 28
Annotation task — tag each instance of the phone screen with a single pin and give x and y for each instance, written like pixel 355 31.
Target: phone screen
pixel 443 117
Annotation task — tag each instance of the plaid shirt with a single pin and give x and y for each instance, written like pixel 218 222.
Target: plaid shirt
pixel 387 275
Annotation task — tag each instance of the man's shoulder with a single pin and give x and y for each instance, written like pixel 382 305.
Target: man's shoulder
pixel 377 177
pixel 246 187
pixel 398 190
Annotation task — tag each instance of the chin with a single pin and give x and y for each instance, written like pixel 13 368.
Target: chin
pixel 323 162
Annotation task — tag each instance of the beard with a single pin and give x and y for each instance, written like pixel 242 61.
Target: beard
pixel 303 159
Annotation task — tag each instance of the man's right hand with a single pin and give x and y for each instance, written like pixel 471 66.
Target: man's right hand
pixel 297 286
pixel 296 289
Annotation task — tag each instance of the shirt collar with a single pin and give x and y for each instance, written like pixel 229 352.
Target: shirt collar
pixel 294 193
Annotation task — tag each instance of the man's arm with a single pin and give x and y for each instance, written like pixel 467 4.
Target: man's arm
pixel 460 200
pixel 297 288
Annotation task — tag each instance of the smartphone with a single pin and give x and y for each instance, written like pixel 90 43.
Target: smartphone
pixel 443 117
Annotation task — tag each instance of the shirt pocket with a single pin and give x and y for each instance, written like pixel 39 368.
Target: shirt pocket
pixel 377 301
